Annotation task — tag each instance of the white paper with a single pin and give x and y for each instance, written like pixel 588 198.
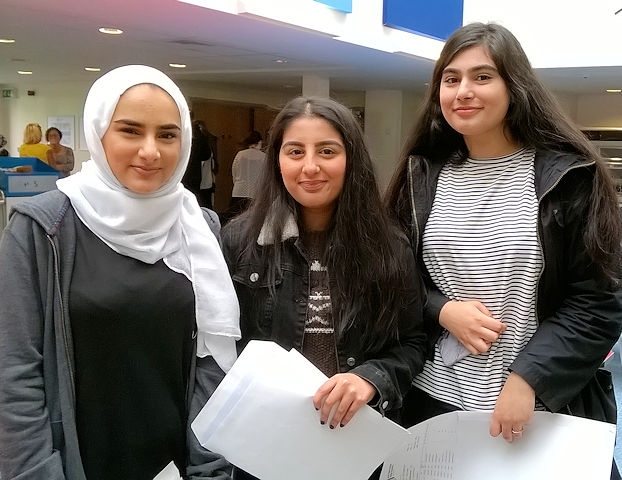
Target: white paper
pixel 458 446
pixel 169 472
pixel 261 418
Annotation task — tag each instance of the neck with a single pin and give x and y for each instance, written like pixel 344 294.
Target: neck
pixel 316 220
pixel 491 145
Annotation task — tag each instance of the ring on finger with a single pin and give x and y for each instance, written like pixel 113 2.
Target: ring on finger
pixel 517 432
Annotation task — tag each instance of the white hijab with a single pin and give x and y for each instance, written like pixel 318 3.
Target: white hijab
pixel 165 224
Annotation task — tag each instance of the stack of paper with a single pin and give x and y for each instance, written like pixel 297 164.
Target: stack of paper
pixel 458 446
pixel 262 419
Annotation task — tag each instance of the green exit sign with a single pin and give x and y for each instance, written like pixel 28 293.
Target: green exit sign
pixel 7 92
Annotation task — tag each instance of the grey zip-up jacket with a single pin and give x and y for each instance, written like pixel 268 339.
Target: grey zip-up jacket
pixel 38 436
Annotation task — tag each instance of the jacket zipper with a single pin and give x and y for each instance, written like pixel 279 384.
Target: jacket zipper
pixel 411 196
pixel 559 178
pixel 57 286
pixel 542 249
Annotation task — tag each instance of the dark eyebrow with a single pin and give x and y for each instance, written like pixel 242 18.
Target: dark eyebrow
pixel 133 123
pixel 476 68
pixel 125 121
pixel 319 144
pixel 172 126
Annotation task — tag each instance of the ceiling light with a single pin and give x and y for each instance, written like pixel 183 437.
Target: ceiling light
pixel 111 30
pixel 280 60
pixel 7 40
pixel 24 72
pixel 177 65
pixel 92 69
pixel 614 90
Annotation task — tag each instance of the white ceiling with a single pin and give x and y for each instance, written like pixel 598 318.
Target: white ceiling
pixel 56 39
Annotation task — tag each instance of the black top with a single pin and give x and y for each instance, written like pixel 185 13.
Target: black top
pixel 200 151
pixel 132 326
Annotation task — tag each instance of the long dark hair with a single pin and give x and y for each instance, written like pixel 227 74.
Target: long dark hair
pixel 534 118
pixel 361 257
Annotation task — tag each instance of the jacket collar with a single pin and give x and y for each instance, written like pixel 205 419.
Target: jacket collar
pixel 290 230
pixel 551 166
pixel 47 209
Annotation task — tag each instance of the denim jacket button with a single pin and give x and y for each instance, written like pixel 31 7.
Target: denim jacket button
pixel 254 277
pixel 351 361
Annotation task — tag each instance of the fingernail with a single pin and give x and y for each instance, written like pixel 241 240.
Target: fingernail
pixel 322 422
pixel 341 425
pixel 332 426
pixel 317 409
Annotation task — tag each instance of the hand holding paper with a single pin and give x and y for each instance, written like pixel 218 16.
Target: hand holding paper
pixel 457 446
pixel 262 419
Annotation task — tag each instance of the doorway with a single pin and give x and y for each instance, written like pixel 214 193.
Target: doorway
pixel 230 123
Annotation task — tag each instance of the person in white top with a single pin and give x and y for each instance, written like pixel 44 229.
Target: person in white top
pixel 246 170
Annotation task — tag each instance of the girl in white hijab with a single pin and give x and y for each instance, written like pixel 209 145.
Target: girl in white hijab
pixel 108 286
pixel 166 224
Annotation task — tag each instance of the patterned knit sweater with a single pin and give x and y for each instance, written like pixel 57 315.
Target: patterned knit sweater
pixel 319 343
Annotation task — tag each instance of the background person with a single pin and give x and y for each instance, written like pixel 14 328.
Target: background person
pixel 199 152
pixel 199 177
pixel 209 167
pixel 32 146
pixel 515 220
pixel 59 156
pixel 3 151
pixel 246 171
pixel 318 266
pixel 111 287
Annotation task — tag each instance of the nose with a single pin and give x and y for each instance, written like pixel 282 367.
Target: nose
pixel 149 149
pixel 309 164
pixel 464 90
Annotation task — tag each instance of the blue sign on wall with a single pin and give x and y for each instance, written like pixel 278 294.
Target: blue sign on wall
pixel 341 5
pixel 432 18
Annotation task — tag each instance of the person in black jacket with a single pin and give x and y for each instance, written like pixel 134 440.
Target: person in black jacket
pixel 319 267
pixel 200 154
pixel 514 219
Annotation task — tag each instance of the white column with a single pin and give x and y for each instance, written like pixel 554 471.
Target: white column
pixel 383 131
pixel 314 85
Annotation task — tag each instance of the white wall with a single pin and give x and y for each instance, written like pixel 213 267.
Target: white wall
pixel 389 114
pixel 599 110
pixel 383 130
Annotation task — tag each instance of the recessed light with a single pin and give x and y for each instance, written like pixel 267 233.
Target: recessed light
pixel 111 30
pixel 177 65
pixel 280 60
pixel 24 72
pixel 92 69
pixel 7 40
pixel 614 90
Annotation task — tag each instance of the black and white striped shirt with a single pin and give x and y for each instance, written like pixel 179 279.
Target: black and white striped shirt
pixel 481 243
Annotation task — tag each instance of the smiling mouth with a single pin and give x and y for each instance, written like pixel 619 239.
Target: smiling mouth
pixel 312 186
pixel 466 109
pixel 145 170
